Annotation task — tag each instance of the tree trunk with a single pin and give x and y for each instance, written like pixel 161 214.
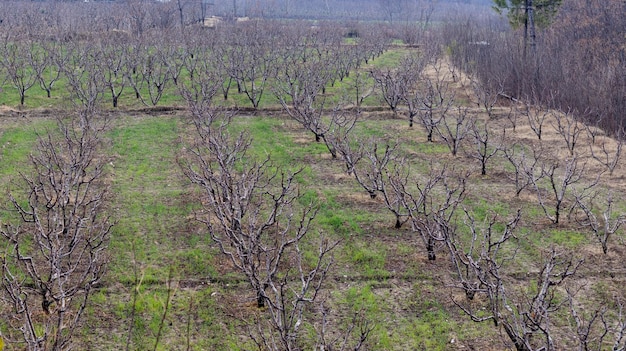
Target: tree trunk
pixel 260 300
pixel 531 26
pixel 430 247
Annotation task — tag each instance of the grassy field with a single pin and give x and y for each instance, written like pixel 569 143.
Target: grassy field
pixel 158 250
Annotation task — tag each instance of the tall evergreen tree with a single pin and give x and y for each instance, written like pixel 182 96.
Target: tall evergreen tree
pixel 528 13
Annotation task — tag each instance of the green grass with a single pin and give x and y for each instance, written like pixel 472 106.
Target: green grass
pixel 17 143
pixel 567 238
pixel 148 192
pixel 368 259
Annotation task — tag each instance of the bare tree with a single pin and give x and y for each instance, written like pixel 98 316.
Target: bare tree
pixel 592 126
pixel 254 55
pixel 394 85
pixel 17 57
pixel 527 167
pixel 138 12
pixel 413 102
pixel 604 224
pixel 352 338
pixel 608 156
pixel 593 328
pixel 363 87
pixel 56 57
pixel 403 84
pixel 225 66
pixel 55 250
pixel 431 213
pixel 85 77
pixel 113 64
pixel 436 100
pixel 419 93
pixel 525 317
pixel 351 152
pixel 536 117
pixel 133 71
pixel 483 249
pixel 341 141
pixel 513 117
pixel 568 128
pixel 484 149
pixel 174 56
pixel 560 178
pixel 299 89
pixel 380 171
pixel 253 217
pixel 453 130
pixel 250 213
pixel 284 326
pixel 487 94
pixel 156 74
